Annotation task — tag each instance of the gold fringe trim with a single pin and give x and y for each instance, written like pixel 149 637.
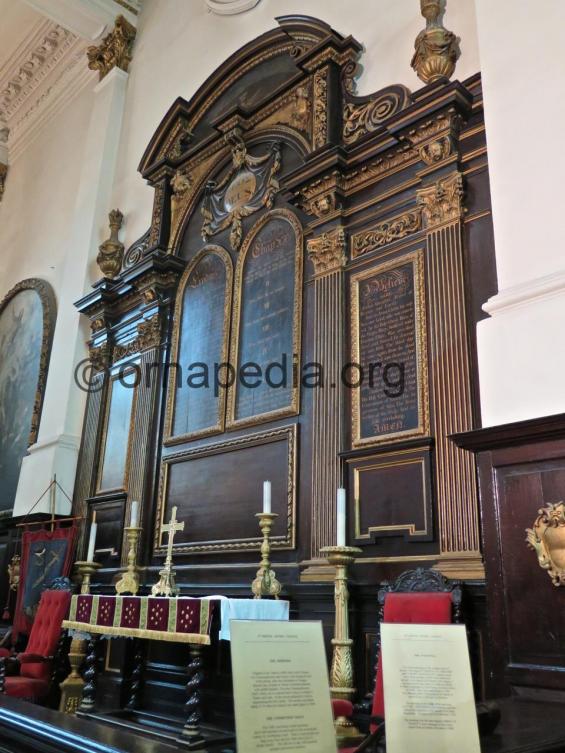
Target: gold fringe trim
pixel 152 635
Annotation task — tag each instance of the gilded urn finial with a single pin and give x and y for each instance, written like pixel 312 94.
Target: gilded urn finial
pixel 111 252
pixel 437 49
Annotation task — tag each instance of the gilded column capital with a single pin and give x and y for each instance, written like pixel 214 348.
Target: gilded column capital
pixel 327 251
pixel 442 202
pixel 115 50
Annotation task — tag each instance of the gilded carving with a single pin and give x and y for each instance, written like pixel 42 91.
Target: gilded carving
pixel 442 202
pixel 14 572
pixel 320 130
pixel 327 251
pixel 111 252
pixel 293 109
pixel 385 165
pixel 97 324
pixel 115 50
pixel 436 48
pixel 247 187
pixel 181 183
pixel 435 139
pixel 436 151
pixel 386 232
pixel 319 198
pixel 547 539
pixel 148 336
pixel 360 118
pixel 136 250
pixel 99 356
pixel 158 199
pixel 149 332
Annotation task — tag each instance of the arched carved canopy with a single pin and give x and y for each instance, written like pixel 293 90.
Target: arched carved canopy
pixel 292 85
pixel 27 320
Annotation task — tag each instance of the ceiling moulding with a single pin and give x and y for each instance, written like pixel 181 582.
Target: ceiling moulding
pixel 45 73
pixel 230 7
pixel 87 19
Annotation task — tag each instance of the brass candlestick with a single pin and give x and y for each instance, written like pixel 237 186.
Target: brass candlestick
pixel 265 584
pixel 341 674
pixel 129 582
pixel 85 571
pixel 71 687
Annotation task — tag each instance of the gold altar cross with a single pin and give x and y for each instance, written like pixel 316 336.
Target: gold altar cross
pixel 166 585
pixel 171 528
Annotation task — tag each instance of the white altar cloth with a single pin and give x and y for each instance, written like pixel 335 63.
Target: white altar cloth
pixel 249 609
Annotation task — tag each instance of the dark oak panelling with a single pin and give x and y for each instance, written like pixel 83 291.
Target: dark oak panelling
pixel 521 469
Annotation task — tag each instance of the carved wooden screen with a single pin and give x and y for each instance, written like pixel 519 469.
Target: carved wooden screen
pixel 292 217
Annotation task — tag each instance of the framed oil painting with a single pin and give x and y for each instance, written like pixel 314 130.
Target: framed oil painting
pixel 27 319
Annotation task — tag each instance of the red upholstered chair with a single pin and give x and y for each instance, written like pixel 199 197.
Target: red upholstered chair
pixel 419 596
pixel 35 663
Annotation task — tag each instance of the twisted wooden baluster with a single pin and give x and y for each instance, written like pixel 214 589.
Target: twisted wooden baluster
pixel 136 678
pixel 191 729
pixel 89 675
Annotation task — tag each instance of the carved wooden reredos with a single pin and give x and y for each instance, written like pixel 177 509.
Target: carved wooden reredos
pixel 358 195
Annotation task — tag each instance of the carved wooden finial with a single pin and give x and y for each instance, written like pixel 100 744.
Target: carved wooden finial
pixel 115 50
pixel 111 252
pixel 437 49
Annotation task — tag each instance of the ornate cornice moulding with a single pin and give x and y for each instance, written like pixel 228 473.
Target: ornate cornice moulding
pixel 46 72
pixel 230 7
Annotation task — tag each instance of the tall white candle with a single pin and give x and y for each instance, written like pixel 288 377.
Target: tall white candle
pixel 134 517
pixel 341 517
pixel 266 496
pixel 92 539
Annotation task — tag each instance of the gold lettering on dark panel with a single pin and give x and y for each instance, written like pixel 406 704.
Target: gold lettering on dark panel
pixel 389 344
pixel 195 407
pixel 266 321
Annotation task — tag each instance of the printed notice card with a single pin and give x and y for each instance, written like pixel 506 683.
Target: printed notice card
pixel 429 702
pixel 281 689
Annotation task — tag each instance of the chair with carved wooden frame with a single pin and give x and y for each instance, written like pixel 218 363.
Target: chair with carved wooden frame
pixel 38 663
pixel 417 596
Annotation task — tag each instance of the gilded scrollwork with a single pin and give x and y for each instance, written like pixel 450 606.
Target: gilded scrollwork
pixel 360 118
pixel 386 232
pixel 320 130
pixel 148 336
pixel 547 539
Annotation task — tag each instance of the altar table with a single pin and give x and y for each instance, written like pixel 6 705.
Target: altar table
pixel 178 619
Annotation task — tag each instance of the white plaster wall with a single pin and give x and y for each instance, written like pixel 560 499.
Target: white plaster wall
pixel 180 43
pixel 37 207
pixel 521 357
